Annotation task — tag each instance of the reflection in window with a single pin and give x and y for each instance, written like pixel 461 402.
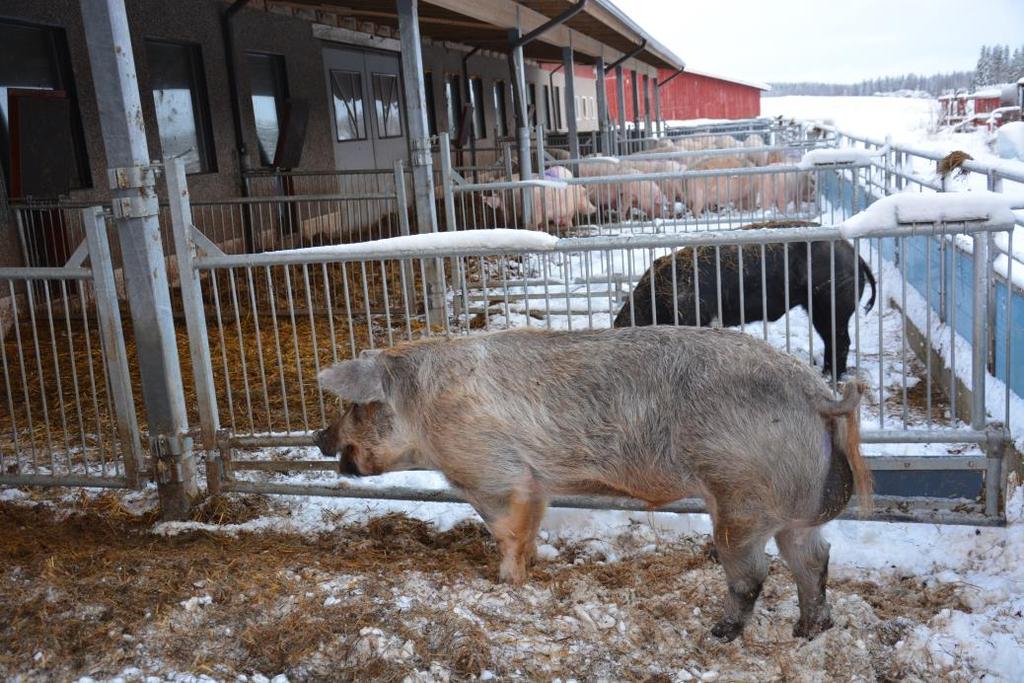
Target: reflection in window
pixel 453 103
pixel 182 118
pixel 348 105
pixel 385 102
pixel 269 92
pixel 476 96
pixel 500 113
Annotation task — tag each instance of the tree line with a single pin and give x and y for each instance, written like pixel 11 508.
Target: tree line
pixel 907 83
pixel 996 64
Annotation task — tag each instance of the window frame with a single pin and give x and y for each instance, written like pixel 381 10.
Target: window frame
pixel 498 90
pixel 280 80
pixel 476 98
pixel 378 118
pixel 453 105
pixel 202 119
pixel 60 54
pixel 353 116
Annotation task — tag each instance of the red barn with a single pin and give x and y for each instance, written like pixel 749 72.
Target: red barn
pixel 695 95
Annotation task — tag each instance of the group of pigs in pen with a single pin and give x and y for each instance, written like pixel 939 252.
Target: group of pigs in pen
pixel 557 205
pixel 654 408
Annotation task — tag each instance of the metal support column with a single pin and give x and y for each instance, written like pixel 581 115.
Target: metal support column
pixel 620 102
pixel 419 137
pixel 522 116
pixel 634 93
pixel 602 107
pixel 570 102
pixel 135 207
pixel 647 106
pixel 659 125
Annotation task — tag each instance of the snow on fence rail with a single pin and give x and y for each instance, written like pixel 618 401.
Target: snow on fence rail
pixel 904 168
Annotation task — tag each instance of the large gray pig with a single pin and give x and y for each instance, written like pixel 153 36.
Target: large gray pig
pixel 512 418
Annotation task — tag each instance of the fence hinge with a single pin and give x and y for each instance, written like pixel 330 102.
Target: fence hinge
pixel 168 466
pixel 421 155
pixel 131 177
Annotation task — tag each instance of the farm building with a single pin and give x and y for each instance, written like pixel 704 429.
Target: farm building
pixel 990 106
pixel 691 94
pixel 246 89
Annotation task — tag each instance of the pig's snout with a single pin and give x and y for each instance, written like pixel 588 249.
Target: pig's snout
pixel 321 439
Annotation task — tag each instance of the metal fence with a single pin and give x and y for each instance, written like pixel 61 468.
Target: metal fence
pixel 276 319
pixel 263 317
pixel 69 416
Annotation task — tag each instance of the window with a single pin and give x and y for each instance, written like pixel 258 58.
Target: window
pixel 500 112
pixel 531 103
pixel 453 104
pixel 547 108
pixel 179 95
pixel 36 58
pixel 476 97
pixel 269 91
pixel 558 107
pixel 428 89
pixel 349 117
pixel 385 104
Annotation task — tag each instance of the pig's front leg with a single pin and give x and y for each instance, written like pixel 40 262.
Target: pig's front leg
pixel 514 519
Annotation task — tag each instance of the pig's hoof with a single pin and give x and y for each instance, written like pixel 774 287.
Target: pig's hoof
pixel 513 577
pixel 713 554
pixel 810 629
pixel 727 630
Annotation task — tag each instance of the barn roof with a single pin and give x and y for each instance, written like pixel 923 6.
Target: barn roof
pixel 601 29
pixel 728 79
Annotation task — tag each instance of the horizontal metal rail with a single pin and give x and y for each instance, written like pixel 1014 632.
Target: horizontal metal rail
pixel 45 273
pixel 887 509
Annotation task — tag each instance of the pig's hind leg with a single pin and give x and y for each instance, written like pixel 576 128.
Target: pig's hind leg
pixel 806 555
pixel 740 547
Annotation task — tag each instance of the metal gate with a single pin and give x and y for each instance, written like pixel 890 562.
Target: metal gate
pixel 68 416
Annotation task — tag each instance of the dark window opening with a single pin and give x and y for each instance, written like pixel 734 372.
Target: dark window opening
pixel 558 108
pixel 547 108
pixel 476 98
pixel 349 117
pixel 428 89
pixel 37 58
pixel 531 103
pixel 386 105
pixel 500 111
pixel 269 91
pixel 182 113
pixel 453 104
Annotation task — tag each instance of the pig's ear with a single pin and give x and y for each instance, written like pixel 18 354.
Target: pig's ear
pixel 359 380
pixel 369 354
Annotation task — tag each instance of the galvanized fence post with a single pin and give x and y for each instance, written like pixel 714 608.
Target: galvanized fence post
pixel 136 214
pixel 401 199
pixel 444 142
pixel 192 301
pixel 112 338
pixel 539 133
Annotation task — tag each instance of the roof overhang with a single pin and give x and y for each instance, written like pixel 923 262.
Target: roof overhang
pixel 600 30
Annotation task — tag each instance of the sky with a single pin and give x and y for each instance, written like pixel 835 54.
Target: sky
pixel 825 40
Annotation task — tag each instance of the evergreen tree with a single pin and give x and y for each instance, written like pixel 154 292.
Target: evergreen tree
pixel 1017 64
pixel 983 72
pixel 998 66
